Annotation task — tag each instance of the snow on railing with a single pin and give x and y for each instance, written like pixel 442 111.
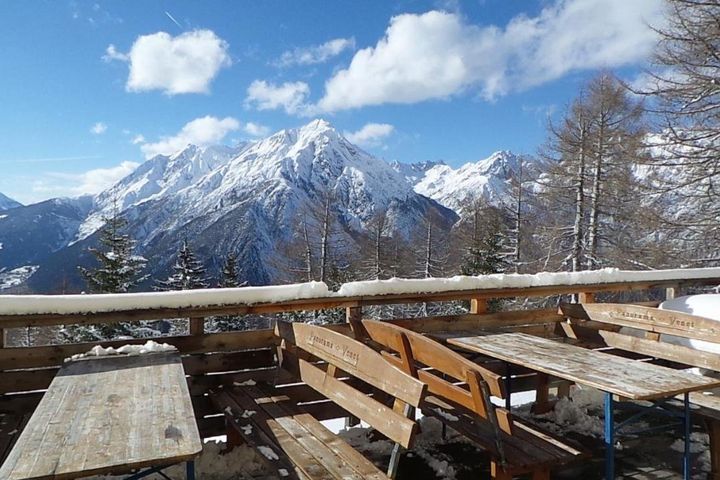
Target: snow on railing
pixel 218 297
pixel 501 281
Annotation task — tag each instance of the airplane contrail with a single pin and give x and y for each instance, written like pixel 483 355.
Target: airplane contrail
pixel 173 19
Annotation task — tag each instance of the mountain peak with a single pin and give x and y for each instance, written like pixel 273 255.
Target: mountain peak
pixel 6 203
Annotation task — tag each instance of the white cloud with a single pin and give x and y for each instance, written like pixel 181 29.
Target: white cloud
pixel 55 184
pixel 317 53
pixel 202 132
pixel 99 128
pixel 371 134
pixel 112 53
pixel 255 129
pixel 186 63
pixel 138 139
pixel 289 96
pixel 438 54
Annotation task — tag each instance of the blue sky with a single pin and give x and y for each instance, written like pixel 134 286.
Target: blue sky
pixel 90 89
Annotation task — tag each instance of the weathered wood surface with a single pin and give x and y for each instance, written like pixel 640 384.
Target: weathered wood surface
pixel 647 318
pixel 293 435
pixel 609 373
pixel 110 414
pixel 54 355
pixel 14 321
pixel 355 358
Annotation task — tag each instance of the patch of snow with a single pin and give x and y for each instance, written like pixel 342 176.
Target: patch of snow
pixel 16 276
pixel 513 280
pixel 248 413
pixel 246 383
pixel 283 472
pixel 68 304
pixel 149 347
pixel 574 414
pixel 247 429
pixel 708 306
pixel 268 452
pixel 447 416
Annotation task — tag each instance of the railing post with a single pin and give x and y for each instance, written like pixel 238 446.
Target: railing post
pixel 353 316
pixel 197 325
pixel 671 292
pixel 2 338
pixel 478 305
pixel 586 297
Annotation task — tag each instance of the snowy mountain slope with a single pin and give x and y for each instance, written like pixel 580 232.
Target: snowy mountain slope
pixel 414 172
pixel 249 200
pixel 457 188
pixel 161 175
pixel 29 234
pixel 6 203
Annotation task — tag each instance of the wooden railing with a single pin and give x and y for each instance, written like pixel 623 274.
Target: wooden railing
pixel 211 359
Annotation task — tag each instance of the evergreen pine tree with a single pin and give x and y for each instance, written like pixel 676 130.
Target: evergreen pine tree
pixel 118 271
pixel 230 274
pixel 229 279
pixel 189 272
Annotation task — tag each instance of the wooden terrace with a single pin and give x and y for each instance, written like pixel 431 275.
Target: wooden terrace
pixel 462 369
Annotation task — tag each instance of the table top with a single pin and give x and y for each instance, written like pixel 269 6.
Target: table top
pixel 627 378
pixel 108 415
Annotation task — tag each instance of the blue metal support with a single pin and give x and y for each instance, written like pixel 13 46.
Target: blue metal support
pixel 687 425
pixel 609 440
pixel 508 386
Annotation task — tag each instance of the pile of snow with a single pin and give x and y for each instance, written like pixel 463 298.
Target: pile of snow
pixel 16 276
pixel 706 305
pixel 579 413
pixel 543 279
pixel 70 304
pixel 149 347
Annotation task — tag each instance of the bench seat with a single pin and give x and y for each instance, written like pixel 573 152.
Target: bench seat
pixel 295 443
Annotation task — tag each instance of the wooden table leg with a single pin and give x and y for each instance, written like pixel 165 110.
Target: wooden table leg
pixel 542 395
pixel 713 429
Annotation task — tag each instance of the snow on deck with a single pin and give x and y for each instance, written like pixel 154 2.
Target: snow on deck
pixel 217 297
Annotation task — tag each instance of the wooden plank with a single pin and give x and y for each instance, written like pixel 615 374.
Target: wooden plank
pixel 108 415
pixel 433 354
pixel 478 305
pixel 609 373
pixel 449 323
pixel 385 420
pixel 26 380
pixel 197 325
pixel 54 355
pixel 654 320
pixel 198 364
pixel 13 321
pixel 359 463
pixel 355 358
pixel 666 351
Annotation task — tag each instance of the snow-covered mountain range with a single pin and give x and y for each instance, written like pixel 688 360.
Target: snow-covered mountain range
pixel 6 203
pixel 246 199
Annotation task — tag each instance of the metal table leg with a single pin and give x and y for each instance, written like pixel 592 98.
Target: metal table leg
pixel 609 438
pixel 686 425
pixel 190 470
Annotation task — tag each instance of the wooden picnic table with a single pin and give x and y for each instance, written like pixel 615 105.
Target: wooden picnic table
pixel 614 375
pixel 103 415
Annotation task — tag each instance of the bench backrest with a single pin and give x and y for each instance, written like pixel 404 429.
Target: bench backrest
pixel 607 319
pixel 469 385
pixel 304 344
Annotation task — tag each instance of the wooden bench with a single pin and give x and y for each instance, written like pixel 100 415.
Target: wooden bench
pixel 460 394
pixel 607 324
pixel 342 371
